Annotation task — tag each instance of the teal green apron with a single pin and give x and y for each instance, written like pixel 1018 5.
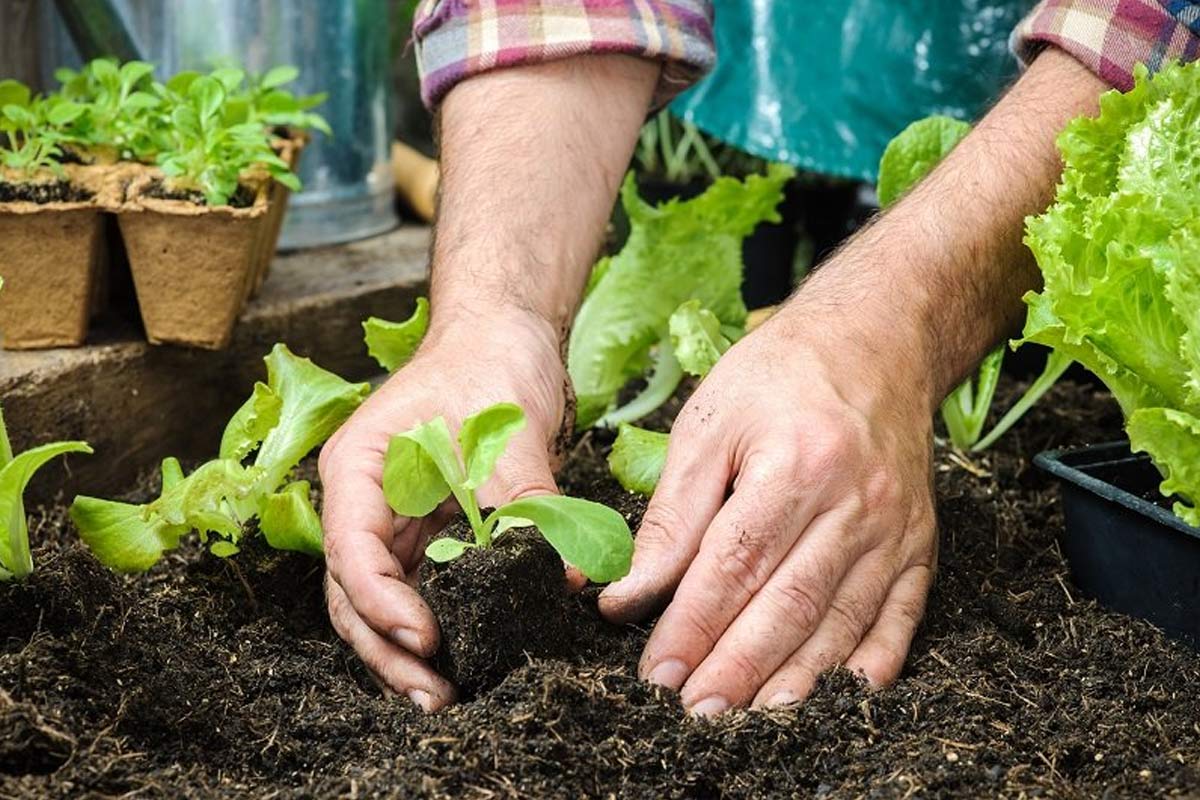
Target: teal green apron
pixel 825 85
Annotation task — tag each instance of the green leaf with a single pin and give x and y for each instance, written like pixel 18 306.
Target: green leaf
pixel 1172 438
pixel 141 100
pixel 592 537
pixel 15 475
pixel 637 458
pixel 289 521
pixel 251 423
pixel 915 152
pixel 14 93
pixel 223 549
pixel 279 76
pixel 172 474
pixel 314 404
pixel 696 338
pixel 506 524
pixel 484 437
pixel 446 549
pixel 676 252
pixel 208 95
pixel 132 72
pixel 126 538
pixel 419 469
pixel 392 344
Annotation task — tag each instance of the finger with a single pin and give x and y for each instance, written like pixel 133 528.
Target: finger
pixel 689 494
pixel 852 612
pixel 523 471
pixel 359 533
pixel 880 656
pixel 394 666
pixel 821 583
pixel 742 549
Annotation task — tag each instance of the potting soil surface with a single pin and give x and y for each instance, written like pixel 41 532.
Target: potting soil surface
pixel 211 678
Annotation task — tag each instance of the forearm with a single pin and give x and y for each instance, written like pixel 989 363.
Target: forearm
pixel 929 288
pixel 531 160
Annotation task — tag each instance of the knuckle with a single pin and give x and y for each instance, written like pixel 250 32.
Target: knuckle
pixel 740 561
pixel 748 670
pixel 661 527
pixel 798 603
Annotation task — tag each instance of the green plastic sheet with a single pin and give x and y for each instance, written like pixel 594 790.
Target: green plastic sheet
pixel 825 85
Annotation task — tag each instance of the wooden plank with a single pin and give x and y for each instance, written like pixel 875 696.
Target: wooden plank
pixel 137 404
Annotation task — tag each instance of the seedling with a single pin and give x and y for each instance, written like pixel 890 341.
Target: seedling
pixel 676 283
pixel 16 559
pixel 206 153
pixel 299 407
pixel 422 469
pixel 121 117
pixel 32 128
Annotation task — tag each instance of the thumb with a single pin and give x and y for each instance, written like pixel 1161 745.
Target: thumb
pixel 690 493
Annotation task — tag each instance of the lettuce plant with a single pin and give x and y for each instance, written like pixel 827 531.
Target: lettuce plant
pixel 204 152
pixel 1119 252
pixel 120 116
pixel 908 158
pixel 422 469
pixel 32 129
pixel 681 271
pixel 16 560
pixel 295 411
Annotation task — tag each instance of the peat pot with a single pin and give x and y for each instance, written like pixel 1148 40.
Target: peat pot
pixel 51 245
pixel 194 266
pixel 1125 548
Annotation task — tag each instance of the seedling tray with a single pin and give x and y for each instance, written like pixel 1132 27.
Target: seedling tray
pixel 1124 548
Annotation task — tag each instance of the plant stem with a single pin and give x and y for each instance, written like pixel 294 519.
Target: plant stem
pixel 1056 364
pixel 662 384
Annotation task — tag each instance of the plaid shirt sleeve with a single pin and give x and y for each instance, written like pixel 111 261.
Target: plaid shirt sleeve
pixel 1111 36
pixel 456 39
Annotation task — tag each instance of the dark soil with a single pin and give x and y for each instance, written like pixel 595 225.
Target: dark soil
pixel 43 192
pixel 242 198
pixel 209 678
pixel 497 608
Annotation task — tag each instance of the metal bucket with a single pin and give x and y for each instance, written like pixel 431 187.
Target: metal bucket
pixel 340 46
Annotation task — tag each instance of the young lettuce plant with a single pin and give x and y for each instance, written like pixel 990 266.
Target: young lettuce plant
pixel 1119 252
pixel 679 253
pixel 121 109
pixel 422 469
pixel 16 559
pixel 32 128
pixel 205 153
pixel 299 407
pixel 908 158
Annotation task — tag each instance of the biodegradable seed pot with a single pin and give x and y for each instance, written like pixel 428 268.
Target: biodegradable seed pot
pixel 51 245
pixel 192 264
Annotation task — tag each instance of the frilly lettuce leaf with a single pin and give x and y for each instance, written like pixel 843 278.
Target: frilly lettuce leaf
pixel 637 458
pixel 251 423
pixel 697 338
pixel 914 152
pixel 289 522
pixel 392 344
pixel 1119 252
pixel 676 252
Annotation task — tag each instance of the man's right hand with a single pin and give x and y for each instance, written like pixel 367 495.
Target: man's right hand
pixel 372 555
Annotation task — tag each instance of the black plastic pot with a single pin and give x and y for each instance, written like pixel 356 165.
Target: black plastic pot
pixel 1124 547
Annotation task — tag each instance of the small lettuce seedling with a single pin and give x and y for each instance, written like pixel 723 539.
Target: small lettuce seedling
pixel 16 559
pixel 908 158
pixel 33 130
pixel 299 407
pixel 678 276
pixel 423 468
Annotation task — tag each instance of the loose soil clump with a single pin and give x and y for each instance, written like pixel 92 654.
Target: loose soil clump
pixel 210 678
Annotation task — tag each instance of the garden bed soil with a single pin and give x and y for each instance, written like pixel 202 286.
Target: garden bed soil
pixel 210 678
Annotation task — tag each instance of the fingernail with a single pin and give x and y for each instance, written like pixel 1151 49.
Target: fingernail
pixel 421 698
pixel 670 674
pixel 710 706
pixel 784 698
pixel 409 639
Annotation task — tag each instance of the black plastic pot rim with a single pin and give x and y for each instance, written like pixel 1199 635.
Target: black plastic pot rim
pixel 1051 461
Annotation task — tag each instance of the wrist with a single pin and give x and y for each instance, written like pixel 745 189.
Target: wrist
pixel 463 322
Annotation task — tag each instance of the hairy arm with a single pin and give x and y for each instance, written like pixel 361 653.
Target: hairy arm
pixel 793 527
pixel 531 157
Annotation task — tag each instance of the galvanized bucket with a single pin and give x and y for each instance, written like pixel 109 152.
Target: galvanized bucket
pixel 342 48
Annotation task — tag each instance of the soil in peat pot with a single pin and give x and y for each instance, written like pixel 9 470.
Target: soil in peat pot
pixel 43 192
pixel 242 198
pixel 211 678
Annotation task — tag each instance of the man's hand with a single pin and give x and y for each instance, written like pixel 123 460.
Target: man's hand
pixel 825 549
pixel 372 556
pixel 794 520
